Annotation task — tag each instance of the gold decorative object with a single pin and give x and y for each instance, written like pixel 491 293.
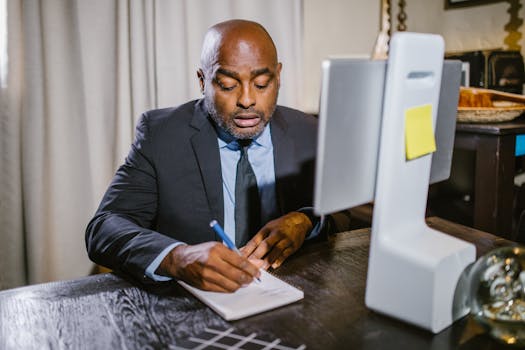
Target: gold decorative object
pixel 381 44
pixel 385 24
pixel 512 28
pixel 402 16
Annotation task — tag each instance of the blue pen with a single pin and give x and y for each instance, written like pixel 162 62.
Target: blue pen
pixel 218 229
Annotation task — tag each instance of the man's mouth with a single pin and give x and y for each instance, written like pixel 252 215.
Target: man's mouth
pixel 247 120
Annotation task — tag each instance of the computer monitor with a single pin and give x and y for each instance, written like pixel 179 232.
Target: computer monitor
pixel 377 126
pixel 349 130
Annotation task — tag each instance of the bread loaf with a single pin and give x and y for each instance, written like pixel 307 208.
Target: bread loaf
pixel 474 98
pixel 486 98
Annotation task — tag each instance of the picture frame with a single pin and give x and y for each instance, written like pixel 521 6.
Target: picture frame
pixel 451 4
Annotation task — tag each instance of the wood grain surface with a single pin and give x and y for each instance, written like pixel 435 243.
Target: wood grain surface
pixel 108 312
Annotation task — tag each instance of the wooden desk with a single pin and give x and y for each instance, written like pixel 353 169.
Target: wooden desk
pixel 494 146
pixel 106 312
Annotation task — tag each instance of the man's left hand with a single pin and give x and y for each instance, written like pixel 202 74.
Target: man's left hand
pixel 278 239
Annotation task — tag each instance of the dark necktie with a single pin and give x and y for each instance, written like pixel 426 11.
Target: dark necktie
pixel 247 203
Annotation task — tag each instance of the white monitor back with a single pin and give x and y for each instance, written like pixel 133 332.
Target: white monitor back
pixel 348 137
pixel 413 270
pixel 349 129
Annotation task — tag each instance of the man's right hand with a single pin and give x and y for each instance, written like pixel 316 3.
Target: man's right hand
pixel 209 266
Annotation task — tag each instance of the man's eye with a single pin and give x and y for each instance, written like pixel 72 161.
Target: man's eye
pixel 226 84
pixel 261 82
pixel 227 88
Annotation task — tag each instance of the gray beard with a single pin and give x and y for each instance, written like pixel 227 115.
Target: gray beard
pixel 229 125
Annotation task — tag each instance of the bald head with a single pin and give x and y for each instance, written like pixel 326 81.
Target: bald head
pixel 239 77
pixel 235 33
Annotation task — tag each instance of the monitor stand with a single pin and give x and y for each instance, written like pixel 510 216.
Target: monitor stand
pixel 413 270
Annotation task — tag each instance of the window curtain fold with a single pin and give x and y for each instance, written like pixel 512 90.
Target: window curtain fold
pixel 12 252
pixel 80 73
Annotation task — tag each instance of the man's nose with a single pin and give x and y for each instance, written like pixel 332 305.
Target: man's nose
pixel 247 97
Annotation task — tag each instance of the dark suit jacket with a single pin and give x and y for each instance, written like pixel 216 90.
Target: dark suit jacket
pixel 170 186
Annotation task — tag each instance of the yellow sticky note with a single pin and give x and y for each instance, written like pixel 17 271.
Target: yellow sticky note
pixel 419 133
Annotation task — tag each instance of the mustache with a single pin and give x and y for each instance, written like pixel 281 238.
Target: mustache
pixel 247 111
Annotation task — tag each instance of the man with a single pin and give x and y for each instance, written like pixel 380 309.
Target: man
pixel 153 221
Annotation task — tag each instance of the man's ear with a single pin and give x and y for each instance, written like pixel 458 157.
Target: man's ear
pixel 278 73
pixel 200 76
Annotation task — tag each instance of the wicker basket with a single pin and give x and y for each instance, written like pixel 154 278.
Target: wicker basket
pixel 488 114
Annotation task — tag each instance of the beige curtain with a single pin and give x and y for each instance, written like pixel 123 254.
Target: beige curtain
pixel 80 73
pixel 12 257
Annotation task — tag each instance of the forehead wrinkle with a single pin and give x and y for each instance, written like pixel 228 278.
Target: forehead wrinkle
pixel 253 74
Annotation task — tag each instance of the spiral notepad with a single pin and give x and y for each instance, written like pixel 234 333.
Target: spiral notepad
pixel 255 298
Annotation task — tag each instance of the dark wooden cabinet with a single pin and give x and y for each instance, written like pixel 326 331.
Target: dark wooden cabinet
pixel 481 192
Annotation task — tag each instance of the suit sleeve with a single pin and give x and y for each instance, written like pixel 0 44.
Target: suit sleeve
pixel 120 235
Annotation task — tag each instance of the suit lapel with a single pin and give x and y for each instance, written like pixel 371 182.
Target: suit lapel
pixel 205 147
pixel 284 157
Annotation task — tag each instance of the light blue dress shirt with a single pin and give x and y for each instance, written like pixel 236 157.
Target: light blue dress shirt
pixel 260 155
